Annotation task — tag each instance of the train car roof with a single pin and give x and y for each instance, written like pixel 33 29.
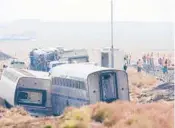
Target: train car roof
pixel 29 73
pixel 39 74
pixel 108 49
pixel 45 51
pixel 80 70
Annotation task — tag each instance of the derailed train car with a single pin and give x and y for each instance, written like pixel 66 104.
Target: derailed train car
pixel 40 58
pixel 83 84
pixel 26 88
pixel 80 84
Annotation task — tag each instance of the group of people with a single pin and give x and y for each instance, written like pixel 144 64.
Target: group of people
pixel 164 63
pixel 149 59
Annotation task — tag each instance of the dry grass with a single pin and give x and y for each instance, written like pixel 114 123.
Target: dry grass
pixel 138 82
pixel 101 115
pixel 140 79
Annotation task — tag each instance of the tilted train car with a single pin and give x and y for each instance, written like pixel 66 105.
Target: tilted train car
pixel 26 88
pixel 82 84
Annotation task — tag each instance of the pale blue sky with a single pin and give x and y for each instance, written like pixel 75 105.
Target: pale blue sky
pixel 130 35
pixel 87 10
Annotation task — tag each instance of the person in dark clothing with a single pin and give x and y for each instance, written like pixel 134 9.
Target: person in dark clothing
pixel 4 66
pixel 160 61
pixel 165 67
pixel 125 67
pixel 144 59
pixel 139 65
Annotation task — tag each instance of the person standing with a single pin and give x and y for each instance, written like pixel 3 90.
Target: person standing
pixel 160 61
pixel 148 59
pixel 152 61
pixel 165 67
pixel 144 58
pixel 125 66
pixel 139 65
pixel 169 62
pixel 129 59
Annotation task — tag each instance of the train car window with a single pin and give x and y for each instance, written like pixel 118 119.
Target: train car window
pixel 52 81
pixel 31 97
pixel 82 85
pixel 22 63
pixel 73 85
pixel 107 76
pixel 76 84
pixel 58 81
pixel 64 82
pixel 68 83
pixel 22 96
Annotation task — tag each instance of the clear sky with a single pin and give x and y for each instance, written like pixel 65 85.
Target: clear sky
pixel 125 35
pixel 87 10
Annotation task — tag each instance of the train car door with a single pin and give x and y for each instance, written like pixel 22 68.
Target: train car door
pixel 108 86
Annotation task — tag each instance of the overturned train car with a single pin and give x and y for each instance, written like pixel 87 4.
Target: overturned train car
pixel 26 88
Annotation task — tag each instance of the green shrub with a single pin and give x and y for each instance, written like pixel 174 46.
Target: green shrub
pixel 48 126
pixel 74 124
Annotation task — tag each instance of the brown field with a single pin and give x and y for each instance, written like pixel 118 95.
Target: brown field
pixel 138 82
pixel 101 115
